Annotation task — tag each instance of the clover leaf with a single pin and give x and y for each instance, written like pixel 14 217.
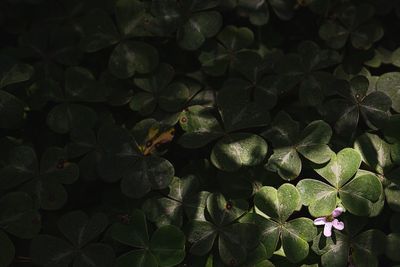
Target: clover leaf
pixel 288 143
pixel 12 71
pixel 259 11
pixel 225 53
pixel 354 247
pixel 165 248
pixel 78 247
pixel 278 205
pixel 158 91
pixel 392 243
pixel 182 196
pixel 128 56
pixel 80 85
pixel 375 152
pixel 306 68
pixel 19 217
pixel 202 127
pixel 355 102
pixel 235 239
pixel 239 99
pixel 12 108
pixel 193 20
pixel 388 84
pixel 123 157
pixel 243 183
pixel 45 182
pixel 354 23
pixel 357 190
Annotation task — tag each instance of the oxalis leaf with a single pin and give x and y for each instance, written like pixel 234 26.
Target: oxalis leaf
pixel 235 239
pixel 80 249
pixel 237 150
pixel 289 143
pixel 352 248
pixel 165 248
pixel 356 189
pixel 277 205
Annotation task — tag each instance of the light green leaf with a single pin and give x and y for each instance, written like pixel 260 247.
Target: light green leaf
pixel 238 150
pixel 341 167
pixel 320 198
pixel 360 192
pixel 278 204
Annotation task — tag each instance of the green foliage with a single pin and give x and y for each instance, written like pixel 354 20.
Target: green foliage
pixel 201 133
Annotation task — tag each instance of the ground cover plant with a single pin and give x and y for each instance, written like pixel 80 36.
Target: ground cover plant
pixel 199 133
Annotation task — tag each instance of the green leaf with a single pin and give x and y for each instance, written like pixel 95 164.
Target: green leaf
pixel 367 246
pixel 295 237
pixel 96 254
pixel 278 204
pixel 375 109
pixel 341 167
pixel 11 111
pixel 224 54
pixel 168 245
pixel 374 151
pixel 202 235
pixel 392 194
pixel 199 26
pixel 169 210
pixel 130 16
pixel 18 215
pixel 80 85
pixel 79 229
pixel 392 128
pixel 130 57
pixel 12 72
pixel 238 150
pixel 238 110
pixel 22 166
pixel 235 38
pixel 174 96
pixel 392 245
pixel 8 250
pixel 163 211
pixel 389 84
pixel 284 131
pixel 148 173
pixel 223 212
pixel 333 34
pixel 257 11
pixel 314 140
pixel 139 258
pixel 286 162
pixel 48 250
pixel 318 196
pixel 269 231
pixel 358 194
pixel 395 152
pixel 334 250
pixel 99 31
pixel 134 233
pixel 66 117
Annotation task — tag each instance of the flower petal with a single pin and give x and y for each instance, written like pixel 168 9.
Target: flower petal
pixel 336 212
pixel 320 221
pixel 328 229
pixel 337 224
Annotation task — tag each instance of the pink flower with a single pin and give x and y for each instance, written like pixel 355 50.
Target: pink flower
pixel 330 221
